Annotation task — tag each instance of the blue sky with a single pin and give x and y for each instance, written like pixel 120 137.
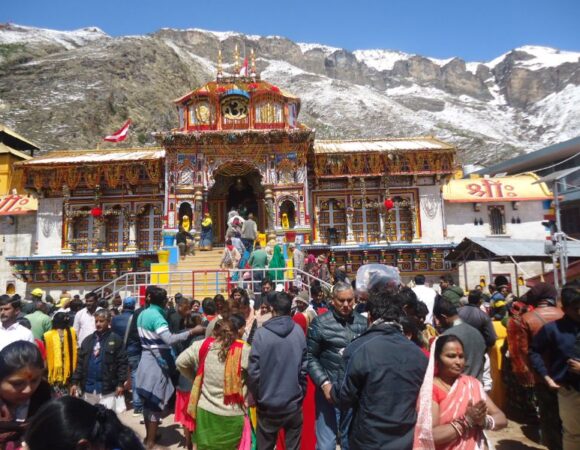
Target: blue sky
pixel 473 30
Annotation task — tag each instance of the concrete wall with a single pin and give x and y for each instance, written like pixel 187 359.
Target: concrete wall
pixel 49 231
pixel 17 238
pixel 431 213
pixel 460 220
pixel 477 269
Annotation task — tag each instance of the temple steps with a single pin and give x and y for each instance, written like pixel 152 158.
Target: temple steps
pixel 206 284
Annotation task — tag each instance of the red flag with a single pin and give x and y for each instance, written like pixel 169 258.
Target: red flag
pixel 119 135
pixel 244 69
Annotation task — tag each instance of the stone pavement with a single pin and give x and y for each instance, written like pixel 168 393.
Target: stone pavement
pixel 515 437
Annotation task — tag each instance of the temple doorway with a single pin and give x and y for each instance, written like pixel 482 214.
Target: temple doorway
pixel 237 185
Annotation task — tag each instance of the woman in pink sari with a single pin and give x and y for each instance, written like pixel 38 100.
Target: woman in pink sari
pixel 454 410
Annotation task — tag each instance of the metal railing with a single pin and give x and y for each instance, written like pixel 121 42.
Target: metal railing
pixel 207 282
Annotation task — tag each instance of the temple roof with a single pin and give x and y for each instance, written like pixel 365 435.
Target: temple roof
pixel 96 156
pixel 15 141
pixel 240 86
pixel 380 145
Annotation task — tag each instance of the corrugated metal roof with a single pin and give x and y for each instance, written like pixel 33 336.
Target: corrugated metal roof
pixel 380 145
pixel 478 248
pixel 96 156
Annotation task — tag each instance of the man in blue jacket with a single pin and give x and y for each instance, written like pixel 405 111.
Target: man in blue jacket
pixel 383 375
pixel 328 336
pixel 554 356
pixel 277 375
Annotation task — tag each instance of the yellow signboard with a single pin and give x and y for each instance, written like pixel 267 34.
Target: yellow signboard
pixel 11 205
pixel 515 188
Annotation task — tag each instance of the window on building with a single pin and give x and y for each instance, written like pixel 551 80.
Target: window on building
pixel 400 220
pixel 83 239
pixel 332 219
pixel 115 234
pixel 149 229
pixel 365 220
pixel 497 219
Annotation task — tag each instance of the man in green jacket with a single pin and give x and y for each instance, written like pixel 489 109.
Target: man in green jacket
pixel 39 320
pixel 449 291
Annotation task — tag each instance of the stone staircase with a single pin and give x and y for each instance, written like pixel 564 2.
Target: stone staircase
pixel 195 282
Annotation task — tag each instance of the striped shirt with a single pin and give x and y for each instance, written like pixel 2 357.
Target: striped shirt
pixel 154 331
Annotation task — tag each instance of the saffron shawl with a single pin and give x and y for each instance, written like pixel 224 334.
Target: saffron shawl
pixel 61 358
pixel 464 389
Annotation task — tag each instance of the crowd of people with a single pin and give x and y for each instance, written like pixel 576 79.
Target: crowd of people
pixel 370 364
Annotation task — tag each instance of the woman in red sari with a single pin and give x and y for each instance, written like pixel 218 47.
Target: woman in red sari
pixel 454 410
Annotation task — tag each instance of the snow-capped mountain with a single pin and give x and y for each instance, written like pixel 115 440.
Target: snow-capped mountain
pixel 68 89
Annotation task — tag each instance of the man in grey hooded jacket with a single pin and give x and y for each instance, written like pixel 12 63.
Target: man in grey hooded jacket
pixel 277 375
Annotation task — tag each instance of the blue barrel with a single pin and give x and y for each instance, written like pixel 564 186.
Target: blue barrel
pixel 168 240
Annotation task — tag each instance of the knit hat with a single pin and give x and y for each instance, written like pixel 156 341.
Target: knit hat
pixel 303 297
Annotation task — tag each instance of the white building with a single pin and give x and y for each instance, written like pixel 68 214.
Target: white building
pixel 510 208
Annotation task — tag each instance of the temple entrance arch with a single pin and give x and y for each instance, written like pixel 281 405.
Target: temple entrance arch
pixel 238 185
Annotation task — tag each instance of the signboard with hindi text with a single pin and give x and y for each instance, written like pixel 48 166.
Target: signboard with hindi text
pixel 516 188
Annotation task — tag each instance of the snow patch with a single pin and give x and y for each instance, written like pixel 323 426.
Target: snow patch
pixel 326 49
pixel 558 114
pixel 207 65
pixel 278 68
pixel 440 62
pixel 222 35
pixel 380 59
pixel 472 67
pixel 546 57
pixel 542 57
pixel 19 34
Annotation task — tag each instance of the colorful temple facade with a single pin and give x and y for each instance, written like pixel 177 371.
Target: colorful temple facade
pixel 239 144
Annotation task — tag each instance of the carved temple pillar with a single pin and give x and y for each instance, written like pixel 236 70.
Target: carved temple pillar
pixel 67 223
pixel 349 230
pixel 132 247
pixel 197 212
pixel 269 204
pixel 99 234
pixel 382 234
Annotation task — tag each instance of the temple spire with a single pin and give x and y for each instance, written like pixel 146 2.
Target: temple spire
pixel 219 64
pixel 236 60
pixel 253 63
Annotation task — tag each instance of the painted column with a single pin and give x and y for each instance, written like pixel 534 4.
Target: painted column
pixel 269 204
pixel 349 231
pixel 197 212
pixel 68 224
pixel 382 235
pixel 132 247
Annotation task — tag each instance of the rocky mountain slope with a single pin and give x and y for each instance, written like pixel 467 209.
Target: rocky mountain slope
pixel 69 89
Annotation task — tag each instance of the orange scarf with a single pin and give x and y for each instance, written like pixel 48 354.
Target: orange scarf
pixel 233 392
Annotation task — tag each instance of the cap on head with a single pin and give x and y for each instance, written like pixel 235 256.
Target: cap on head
pixel 129 302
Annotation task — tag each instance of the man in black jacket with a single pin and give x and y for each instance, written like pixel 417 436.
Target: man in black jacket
pixel 102 364
pixel 383 376
pixel 328 336
pixel 277 375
